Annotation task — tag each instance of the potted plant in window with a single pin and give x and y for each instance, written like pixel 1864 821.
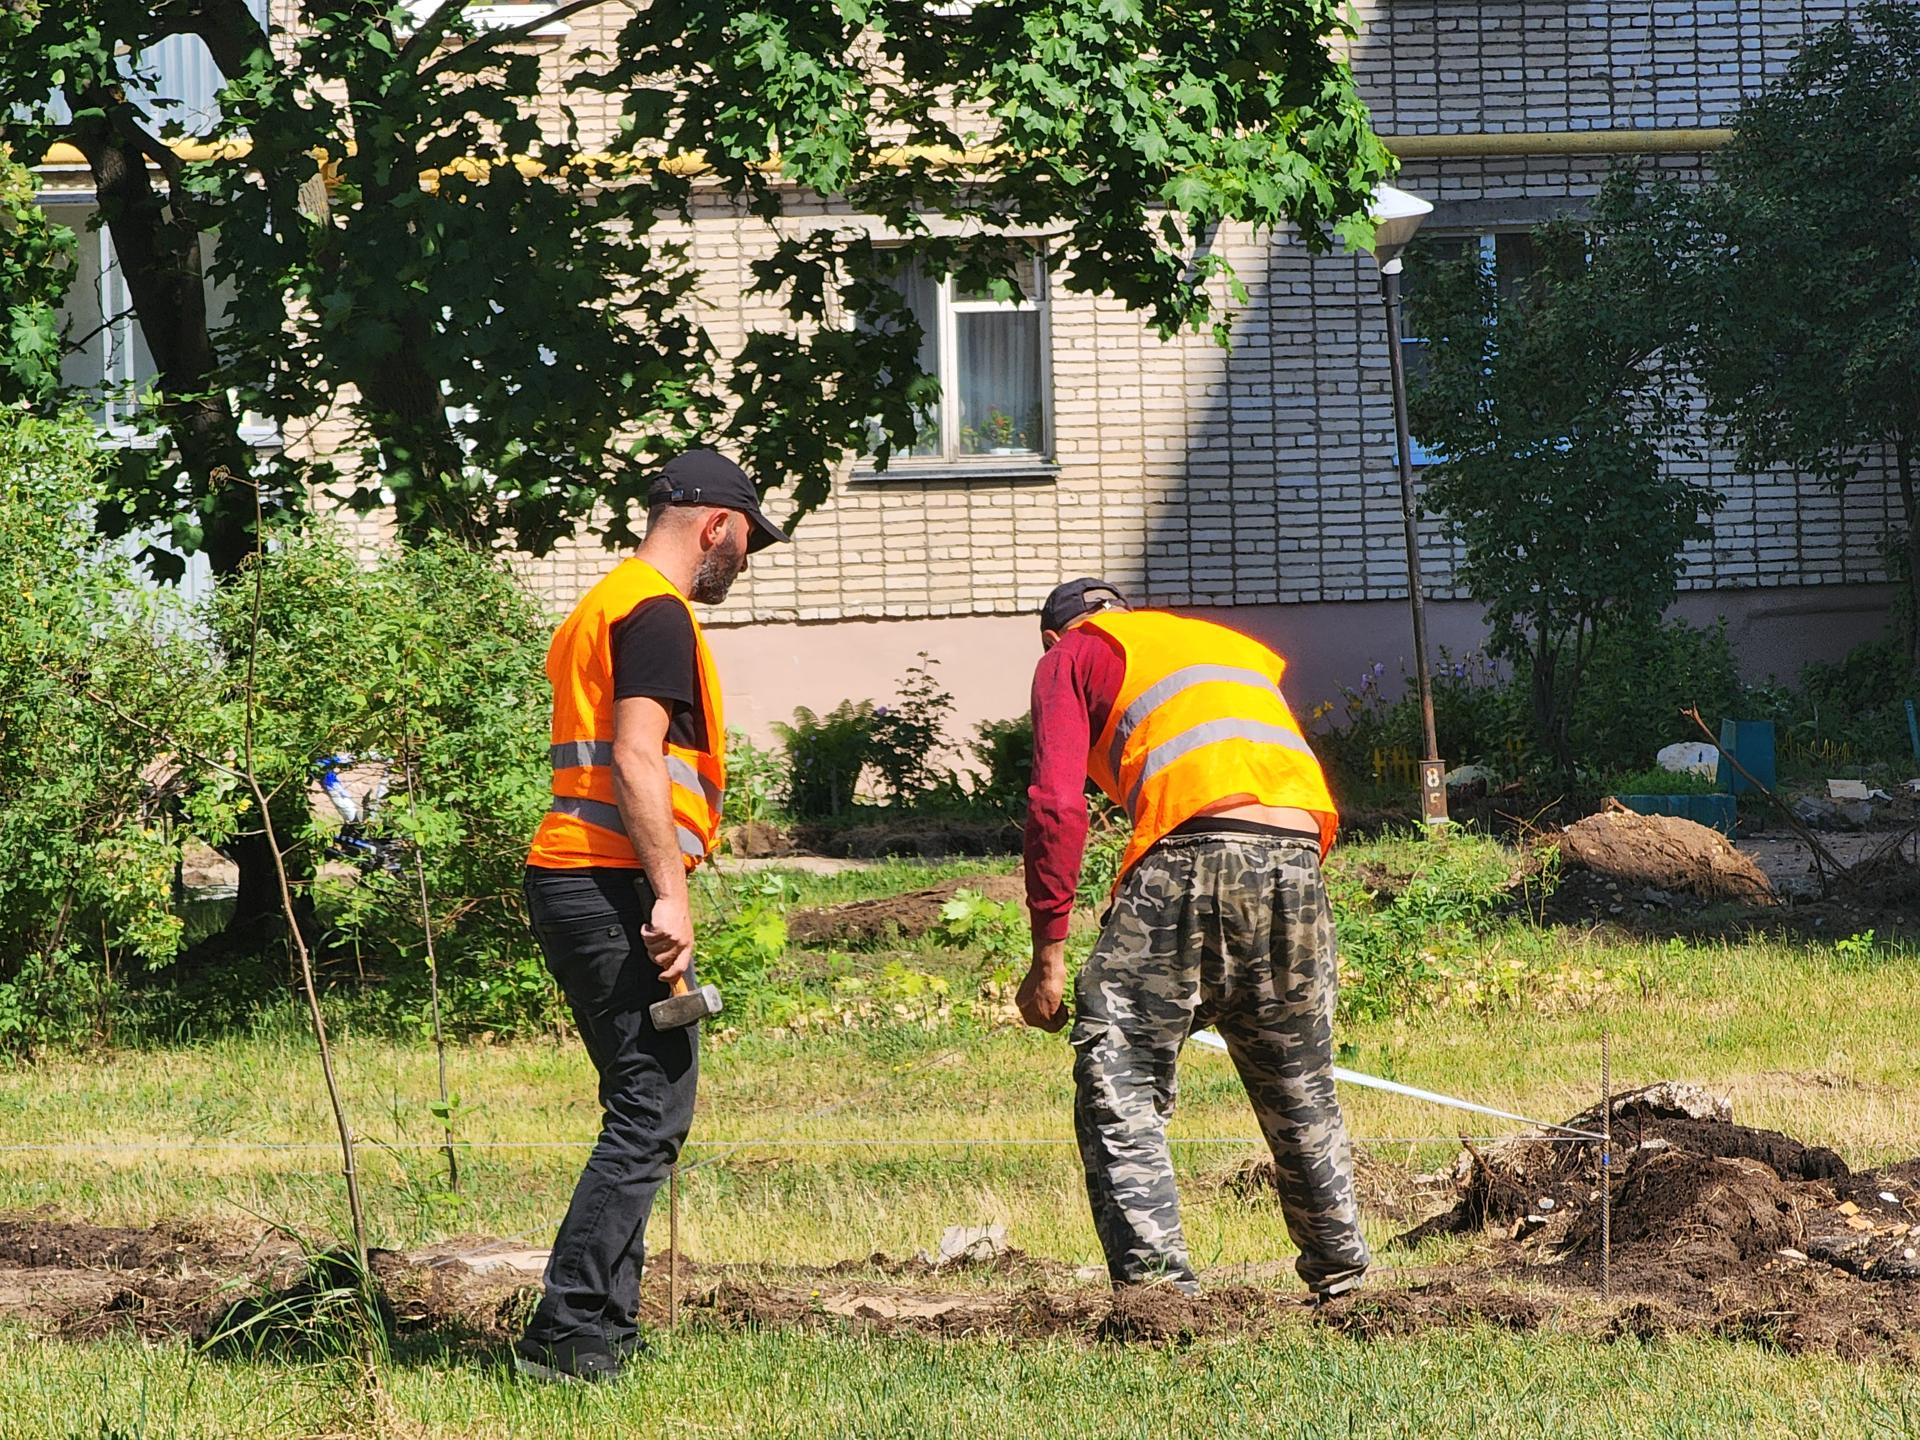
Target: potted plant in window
pixel 1000 433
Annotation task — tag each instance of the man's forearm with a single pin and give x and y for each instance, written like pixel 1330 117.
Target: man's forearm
pixel 644 793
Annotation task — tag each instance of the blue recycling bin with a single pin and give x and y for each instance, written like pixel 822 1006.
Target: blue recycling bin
pixel 1751 743
pixel 1716 812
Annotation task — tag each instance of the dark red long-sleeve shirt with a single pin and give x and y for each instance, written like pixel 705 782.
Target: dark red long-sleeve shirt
pixel 1073 693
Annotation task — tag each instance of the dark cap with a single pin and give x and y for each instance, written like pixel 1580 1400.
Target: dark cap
pixel 1072 599
pixel 706 477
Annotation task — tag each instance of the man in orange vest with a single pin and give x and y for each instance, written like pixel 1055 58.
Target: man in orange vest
pixel 1219 917
pixel 639 773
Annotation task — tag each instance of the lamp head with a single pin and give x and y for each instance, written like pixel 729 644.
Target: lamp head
pixel 1396 216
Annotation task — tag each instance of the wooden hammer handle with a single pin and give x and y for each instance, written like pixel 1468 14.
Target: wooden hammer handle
pixel 679 985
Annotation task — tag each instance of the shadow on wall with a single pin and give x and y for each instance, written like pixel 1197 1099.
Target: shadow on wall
pixel 1273 497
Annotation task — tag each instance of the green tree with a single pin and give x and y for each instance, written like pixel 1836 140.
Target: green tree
pixel 95 672
pixel 512 327
pixel 36 267
pixel 1556 408
pixel 1803 260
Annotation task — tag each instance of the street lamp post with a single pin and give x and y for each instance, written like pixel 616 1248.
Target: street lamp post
pixel 1396 216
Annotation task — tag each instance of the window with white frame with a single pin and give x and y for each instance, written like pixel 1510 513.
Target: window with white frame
pixel 496 16
pixel 991 358
pixel 1511 257
pixel 108 359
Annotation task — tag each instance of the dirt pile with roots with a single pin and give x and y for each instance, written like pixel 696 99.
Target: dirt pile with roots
pixel 1717 1228
pixel 1665 852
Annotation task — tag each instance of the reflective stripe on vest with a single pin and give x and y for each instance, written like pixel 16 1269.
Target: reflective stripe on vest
pixel 1210 732
pixel 1161 691
pixel 580 752
pixel 582 826
pixel 575 753
pixel 1199 723
pixel 685 776
pixel 607 817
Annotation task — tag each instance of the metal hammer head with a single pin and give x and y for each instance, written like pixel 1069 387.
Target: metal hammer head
pixel 689 1008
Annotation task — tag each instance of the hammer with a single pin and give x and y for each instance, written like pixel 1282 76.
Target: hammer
pixel 684 1005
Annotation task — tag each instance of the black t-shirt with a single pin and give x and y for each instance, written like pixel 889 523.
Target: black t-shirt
pixel 654 655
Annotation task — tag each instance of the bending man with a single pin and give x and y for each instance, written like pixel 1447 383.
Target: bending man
pixel 1219 917
pixel 639 770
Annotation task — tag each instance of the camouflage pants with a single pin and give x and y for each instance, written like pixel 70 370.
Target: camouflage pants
pixel 1233 931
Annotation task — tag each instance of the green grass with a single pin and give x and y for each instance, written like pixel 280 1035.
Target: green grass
pixel 1813 1039
pixel 1475 1383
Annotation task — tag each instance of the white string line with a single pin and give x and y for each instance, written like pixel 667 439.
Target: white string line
pixel 769 1143
pixel 1212 1041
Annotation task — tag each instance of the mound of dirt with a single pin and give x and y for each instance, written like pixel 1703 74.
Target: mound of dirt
pixel 1679 1213
pixel 902 917
pixel 1732 1229
pixel 1665 854
pixel 929 839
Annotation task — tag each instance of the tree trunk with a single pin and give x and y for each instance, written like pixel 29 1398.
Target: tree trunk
pixel 160 259
pixel 159 253
pixel 1910 505
pixel 1549 715
pixel 402 402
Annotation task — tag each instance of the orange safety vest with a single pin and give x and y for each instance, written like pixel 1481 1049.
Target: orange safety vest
pixel 1199 719
pixel 583 827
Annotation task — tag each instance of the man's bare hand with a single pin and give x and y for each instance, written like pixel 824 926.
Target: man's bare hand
pixel 1042 995
pixel 669 937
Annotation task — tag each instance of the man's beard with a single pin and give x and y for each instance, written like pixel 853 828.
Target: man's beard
pixel 718 570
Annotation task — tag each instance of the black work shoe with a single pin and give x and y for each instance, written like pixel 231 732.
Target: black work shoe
pixel 628 1348
pixel 1327 1294
pixel 568 1362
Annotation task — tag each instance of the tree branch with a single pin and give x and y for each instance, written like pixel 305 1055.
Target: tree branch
pixel 226 27
pixel 427 34
pixel 494 39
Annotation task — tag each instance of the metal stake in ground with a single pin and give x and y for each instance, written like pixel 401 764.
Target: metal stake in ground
pixel 673 1247
pixel 1606 1165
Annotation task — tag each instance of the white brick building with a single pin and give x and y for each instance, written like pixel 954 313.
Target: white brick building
pixel 1262 478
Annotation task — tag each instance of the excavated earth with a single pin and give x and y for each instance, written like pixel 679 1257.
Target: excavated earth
pixel 894 917
pixel 1716 1228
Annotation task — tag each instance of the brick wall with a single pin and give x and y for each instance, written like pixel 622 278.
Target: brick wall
pixel 1265 475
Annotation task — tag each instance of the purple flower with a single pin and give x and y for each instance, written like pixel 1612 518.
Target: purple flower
pixel 1379 668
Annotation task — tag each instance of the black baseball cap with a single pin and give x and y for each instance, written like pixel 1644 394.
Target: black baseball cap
pixel 706 477
pixel 1071 599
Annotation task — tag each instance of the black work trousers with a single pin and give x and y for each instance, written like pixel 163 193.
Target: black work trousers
pixel 588 923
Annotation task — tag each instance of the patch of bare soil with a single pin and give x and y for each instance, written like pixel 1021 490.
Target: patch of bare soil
pixel 928 838
pixel 1882 895
pixel 85 1280
pixel 1717 1228
pixel 891 917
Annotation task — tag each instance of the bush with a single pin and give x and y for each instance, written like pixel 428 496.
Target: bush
pixel 429 663
pixel 1475 716
pixel 906 735
pixel 1850 710
pixel 94 668
pixel 1637 683
pixel 1005 748
pixel 1627 708
pixel 828 754
pixel 756 782
pixel 825 755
